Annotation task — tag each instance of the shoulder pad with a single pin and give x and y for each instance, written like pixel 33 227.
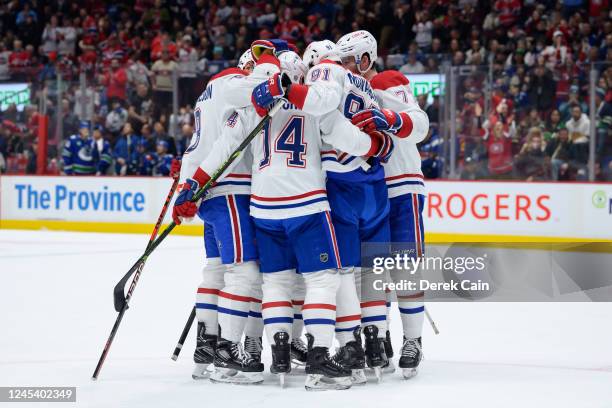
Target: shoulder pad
pixel 229 71
pixel 388 79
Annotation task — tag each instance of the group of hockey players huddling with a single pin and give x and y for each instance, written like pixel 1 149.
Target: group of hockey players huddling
pixel 336 166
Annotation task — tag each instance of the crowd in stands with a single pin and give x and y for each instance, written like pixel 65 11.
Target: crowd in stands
pixel 522 70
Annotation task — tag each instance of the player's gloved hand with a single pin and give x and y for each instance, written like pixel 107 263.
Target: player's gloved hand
pixel 175 168
pixel 183 206
pixel 382 145
pixel 377 119
pixel 274 46
pixel 267 92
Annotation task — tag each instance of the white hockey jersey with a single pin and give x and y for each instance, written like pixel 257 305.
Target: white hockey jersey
pixel 227 91
pixel 328 87
pixel 403 170
pixel 288 179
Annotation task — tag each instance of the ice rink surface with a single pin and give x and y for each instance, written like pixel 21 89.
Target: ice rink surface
pixel 56 312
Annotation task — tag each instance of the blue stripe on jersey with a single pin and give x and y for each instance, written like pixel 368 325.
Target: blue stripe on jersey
pixel 388 304
pixel 403 183
pixel 254 314
pixel 206 306
pixel 320 321
pixel 373 318
pixel 232 312
pixel 273 320
pixel 233 183
pixel 297 316
pixel 329 159
pixel 350 159
pixel 412 310
pixel 282 206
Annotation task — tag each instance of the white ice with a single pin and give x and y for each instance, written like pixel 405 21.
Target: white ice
pixel 56 312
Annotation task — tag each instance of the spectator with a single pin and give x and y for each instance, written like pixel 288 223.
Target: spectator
pixel 476 49
pixel 413 66
pixel 423 28
pixel 579 124
pixel 19 60
pixel 5 54
pixel 115 81
pixel 573 99
pixel 137 71
pixel 529 162
pixel 499 151
pixel 163 71
pixel 50 36
pixel 164 159
pixel 472 170
pixel 558 151
pixel 66 35
pixel 116 118
pixel 553 125
pixel 140 106
pixel 102 153
pixel 124 152
pixel 542 89
pixel 187 64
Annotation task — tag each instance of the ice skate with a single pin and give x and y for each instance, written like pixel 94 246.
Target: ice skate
pixel 233 365
pixel 374 350
pixel 323 373
pixel 389 367
pixel 204 353
pixel 299 352
pixel 352 357
pixel 411 357
pixel 253 346
pixel 281 356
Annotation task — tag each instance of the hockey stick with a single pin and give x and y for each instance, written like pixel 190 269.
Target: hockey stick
pixel 119 299
pixel 138 266
pixel 118 293
pixel 179 345
pixel 431 322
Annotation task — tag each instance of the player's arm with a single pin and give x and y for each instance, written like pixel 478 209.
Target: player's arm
pixel 337 131
pixel 67 157
pixel 400 115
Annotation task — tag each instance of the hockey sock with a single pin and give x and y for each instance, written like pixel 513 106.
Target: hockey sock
pixel 348 311
pixel 319 308
pixel 276 306
pixel 410 304
pixel 373 302
pixel 255 326
pixel 298 301
pixel 208 294
pixel 235 299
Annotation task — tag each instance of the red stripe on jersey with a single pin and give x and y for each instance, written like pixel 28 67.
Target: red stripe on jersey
pixel 235 297
pixel 329 152
pixel 332 231
pixel 270 305
pixel 230 71
pixel 295 197
pixel 297 302
pixel 417 225
pixel 318 306
pixel 348 318
pixel 238 175
pixel 404 176
pixel 374 303
pixel 236 229
pixel 388 79
pixel 207 291
pixel 297 95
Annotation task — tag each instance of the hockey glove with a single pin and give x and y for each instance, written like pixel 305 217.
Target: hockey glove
pixel 382 145
pixel 183 206
pixel 377 119
pixel 267 92
pixel 275 47
pixel 175 168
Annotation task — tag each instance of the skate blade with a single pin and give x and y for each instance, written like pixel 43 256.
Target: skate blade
pixel 201 371
pixel 378 373
pixel 389 368
pixel 409 373
pixel 318 382
pixel 358 377
pixel 230 376
pixel 298 363
pixel 281 380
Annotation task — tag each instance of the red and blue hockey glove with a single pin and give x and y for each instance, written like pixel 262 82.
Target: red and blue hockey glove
pixel 175 168
pixel 267 92
pixel 274 46
pixel 382 145
pixel 377 119
pixel 183 206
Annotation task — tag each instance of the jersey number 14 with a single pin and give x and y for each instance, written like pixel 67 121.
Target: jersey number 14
pixel 290 141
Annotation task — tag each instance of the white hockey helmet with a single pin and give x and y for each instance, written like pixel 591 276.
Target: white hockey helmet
pixel 357 44
pixel 293 66
pixel 320 50
pixel 245 59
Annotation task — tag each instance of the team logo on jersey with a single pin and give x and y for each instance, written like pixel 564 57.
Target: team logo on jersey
pixel 232 120
pixel 323 257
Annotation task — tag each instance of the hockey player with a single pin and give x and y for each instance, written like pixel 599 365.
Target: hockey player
pixel 225 295
pixel 401 116
pixel 292 222
pixel 358 199
pixel 102 153
pixel 77 155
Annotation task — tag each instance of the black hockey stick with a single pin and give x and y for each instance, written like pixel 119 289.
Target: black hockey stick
pixel 137 267
pixel 179 345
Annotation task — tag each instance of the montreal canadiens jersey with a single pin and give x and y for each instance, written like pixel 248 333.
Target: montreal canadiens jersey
pixel 288 178
pixel 332 87
pixel 403 170
pixel 225 92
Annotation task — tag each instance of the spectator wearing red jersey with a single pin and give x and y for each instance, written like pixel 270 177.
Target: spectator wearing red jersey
pixel 115 80
pixel 499 152
pixel 160 44
pixel 508 11
pixel 19 60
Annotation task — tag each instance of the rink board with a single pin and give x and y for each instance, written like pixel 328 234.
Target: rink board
pixel 485 211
